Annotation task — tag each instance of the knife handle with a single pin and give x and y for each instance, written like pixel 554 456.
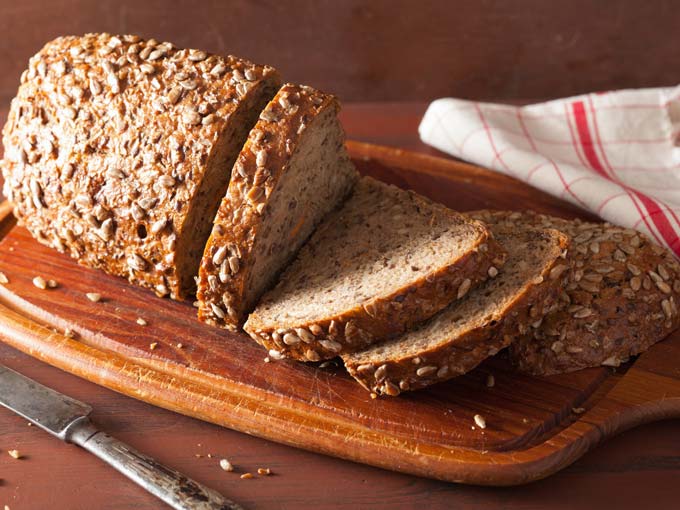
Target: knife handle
pixel 172 487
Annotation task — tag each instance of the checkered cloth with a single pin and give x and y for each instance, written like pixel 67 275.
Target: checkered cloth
pixel 616 154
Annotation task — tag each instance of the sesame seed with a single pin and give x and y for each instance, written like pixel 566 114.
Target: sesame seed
pixel 246 476
pixel 40 282
pixel 490 381
pixel 95 297
pixel 69 333
pixel 179 345
pixel 141 321
pixel 264 471
pixel 153 345
pixel 480 421
pixel 52 284
pixel 578 410
pixel 14 454
pixel 3 278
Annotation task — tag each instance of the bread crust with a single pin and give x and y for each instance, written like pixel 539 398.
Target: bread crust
pixel 385 316
pixel 107 143
pixel 463 353
pixel 621 297
pixel 262 163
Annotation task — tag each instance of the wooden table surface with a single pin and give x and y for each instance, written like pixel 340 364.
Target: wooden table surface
pixel 640 467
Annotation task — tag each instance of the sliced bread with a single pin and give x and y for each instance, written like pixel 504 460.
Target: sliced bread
pixel 118 151
pixel 291 172
pixel 470 330
pixel 386 260
pixel 621 297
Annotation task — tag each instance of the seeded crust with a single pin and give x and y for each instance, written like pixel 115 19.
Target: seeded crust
pixel 261 217
pixel 117 151
pixel 621 298
pixel 324 335
pixel 487 320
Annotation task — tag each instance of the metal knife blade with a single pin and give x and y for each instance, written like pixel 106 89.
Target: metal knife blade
pixel 47 408
pixel 67 418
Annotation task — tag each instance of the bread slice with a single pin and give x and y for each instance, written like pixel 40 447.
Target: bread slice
pixel 470 330
pixel 291 172
pixel 386 260
pixel 118 151
pixel 622 297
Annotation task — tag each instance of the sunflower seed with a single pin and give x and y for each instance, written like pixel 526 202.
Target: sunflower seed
pixel 291 339
pixel 234 264
pixel 464 287
pixel 667 308
pixel 635 283
pixel 331 345
pixel 390 389
pixel 492 272
pixel 663 272
pixel 158 225
pixel 220 255
pixel 40 282
pixel 226 465
pixel 663 287
pixel 557 271
pixel 380 373
pixel 217 311
pixel 197 55
pixel 425 371
pixel 95 297
pixel 304 335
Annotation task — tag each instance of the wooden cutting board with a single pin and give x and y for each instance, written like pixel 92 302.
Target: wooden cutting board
pixel 221 377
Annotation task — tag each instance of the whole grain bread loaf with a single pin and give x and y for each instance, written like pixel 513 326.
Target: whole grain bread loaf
pixel 621 297
pixel 384 261
pixel 470 330
pixel 292 171
pixel 118 151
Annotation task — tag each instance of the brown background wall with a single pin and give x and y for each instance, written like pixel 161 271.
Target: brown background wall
pixel 385 50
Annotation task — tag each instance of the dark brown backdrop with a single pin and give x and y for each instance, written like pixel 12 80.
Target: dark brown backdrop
pixel 385 50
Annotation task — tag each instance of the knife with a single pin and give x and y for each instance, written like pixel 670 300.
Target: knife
pixel 67 419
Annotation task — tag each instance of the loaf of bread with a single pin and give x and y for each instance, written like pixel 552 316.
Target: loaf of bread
pixel 118 151
pixel 621 297
pixel 385 261
pixel 292 171
pixel 470 330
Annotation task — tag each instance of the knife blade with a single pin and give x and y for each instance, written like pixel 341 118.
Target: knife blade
pixel 67 419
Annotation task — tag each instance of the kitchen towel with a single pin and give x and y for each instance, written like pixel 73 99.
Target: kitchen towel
pixel 616 153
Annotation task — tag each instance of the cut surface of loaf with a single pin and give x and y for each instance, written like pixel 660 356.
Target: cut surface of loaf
pixel 467 332
pixel 621 298
pixel 118 150
pixel 292 171
pixel 387 259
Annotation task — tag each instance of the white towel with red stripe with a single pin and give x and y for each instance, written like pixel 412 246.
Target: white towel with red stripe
pixel 616 154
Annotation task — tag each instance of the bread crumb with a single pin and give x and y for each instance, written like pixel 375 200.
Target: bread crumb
pixel 153 345
pixel 14 453
pixel 141 321
pixel 95 297
pixel 246 476
pixel 226 465
pixel 264 471
pixel 3 278
pixel 480 421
